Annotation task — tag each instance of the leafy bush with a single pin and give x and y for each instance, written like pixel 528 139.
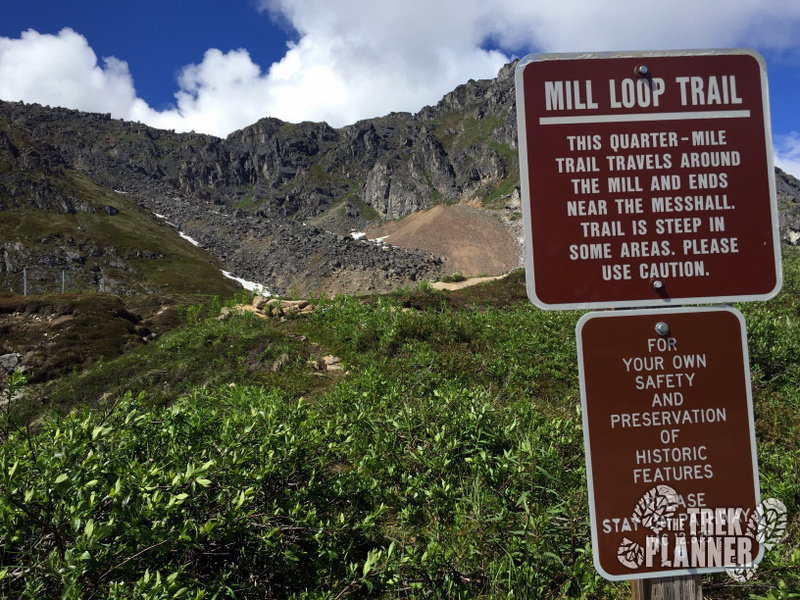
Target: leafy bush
pixel 454 278
pixel 245 492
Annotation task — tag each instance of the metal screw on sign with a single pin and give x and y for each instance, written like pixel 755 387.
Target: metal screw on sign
pixel 642 71
pixel 656 284
pixel 662 328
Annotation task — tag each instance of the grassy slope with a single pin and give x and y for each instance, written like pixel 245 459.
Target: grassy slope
pixel 446 462
pixel 59 334
pixel 156 256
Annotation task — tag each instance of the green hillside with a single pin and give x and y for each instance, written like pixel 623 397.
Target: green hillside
pixel 104 241
pixel 445 460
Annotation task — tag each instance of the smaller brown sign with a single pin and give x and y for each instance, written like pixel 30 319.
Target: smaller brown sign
pixel 669 441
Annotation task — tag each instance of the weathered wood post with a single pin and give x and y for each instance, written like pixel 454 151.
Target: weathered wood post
pixel 689 587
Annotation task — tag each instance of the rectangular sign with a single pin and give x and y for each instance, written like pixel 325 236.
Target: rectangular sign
pixel 647 179
pixel 670 441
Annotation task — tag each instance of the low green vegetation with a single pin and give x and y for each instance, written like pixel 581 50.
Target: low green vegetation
pixel 459 130
pixel 499 194
pixel 454 278
pixel 146 254
pixel 445 461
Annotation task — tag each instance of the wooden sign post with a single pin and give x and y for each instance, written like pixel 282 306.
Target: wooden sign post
pixel 689 587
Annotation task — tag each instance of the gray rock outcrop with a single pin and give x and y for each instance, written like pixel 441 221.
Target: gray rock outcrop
pixel 10 362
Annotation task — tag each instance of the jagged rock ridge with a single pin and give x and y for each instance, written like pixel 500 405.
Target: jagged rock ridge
pixel 275 202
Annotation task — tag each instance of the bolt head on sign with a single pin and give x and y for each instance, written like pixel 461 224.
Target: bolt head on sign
pixel 647 179
pixel 670 443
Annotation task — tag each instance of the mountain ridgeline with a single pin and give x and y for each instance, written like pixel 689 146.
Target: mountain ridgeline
pixel 88 201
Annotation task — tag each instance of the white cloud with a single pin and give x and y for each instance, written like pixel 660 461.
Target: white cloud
pixel 787 153
pixel 62 70
pixel 224 92
pixel 353 60
pixel 356 59
pixel 589 25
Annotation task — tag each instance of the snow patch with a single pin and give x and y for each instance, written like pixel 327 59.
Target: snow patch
pixel 188 239
pixel 252 286
pixel 258 288
pixel 361 235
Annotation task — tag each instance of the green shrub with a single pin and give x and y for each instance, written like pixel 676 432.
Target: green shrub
pixel 454 278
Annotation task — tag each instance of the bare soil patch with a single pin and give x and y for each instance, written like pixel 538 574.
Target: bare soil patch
pixel 452 286
pixel 473 241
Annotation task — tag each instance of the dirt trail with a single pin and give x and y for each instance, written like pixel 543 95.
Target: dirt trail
pixel 457 285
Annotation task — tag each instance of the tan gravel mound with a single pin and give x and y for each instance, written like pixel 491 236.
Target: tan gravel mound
pixel 473 241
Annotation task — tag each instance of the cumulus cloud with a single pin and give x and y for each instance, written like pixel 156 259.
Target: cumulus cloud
pixel 62 70
pixel 355 59
pixel 787 153
pixel 370 58
pixel 588 25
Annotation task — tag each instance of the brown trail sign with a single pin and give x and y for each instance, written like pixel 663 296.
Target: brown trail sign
pixel 670 442
pixel 647 179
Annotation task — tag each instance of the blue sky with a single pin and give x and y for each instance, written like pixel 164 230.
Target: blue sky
pixel 219 65
pixel 156 37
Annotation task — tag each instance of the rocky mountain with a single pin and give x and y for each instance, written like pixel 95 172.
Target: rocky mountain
pixel 273 203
